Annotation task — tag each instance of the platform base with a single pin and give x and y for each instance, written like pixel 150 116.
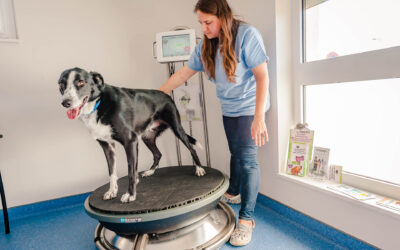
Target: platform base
pixel 211 232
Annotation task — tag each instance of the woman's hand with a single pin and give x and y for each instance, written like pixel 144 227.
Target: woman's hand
pixel 177 79
pixel 259 131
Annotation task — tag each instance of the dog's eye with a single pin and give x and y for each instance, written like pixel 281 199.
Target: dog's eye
pixel 80 84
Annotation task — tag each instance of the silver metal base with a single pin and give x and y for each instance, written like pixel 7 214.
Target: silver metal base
pixel 211 232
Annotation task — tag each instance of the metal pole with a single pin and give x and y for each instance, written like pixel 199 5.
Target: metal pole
pixel 204 114
pixel 171 71
pixel 189 120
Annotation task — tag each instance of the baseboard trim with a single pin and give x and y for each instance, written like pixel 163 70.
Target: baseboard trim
pixel 326 231
pixel 34 209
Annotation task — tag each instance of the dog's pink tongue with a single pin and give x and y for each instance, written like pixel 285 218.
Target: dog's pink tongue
pixel 72 113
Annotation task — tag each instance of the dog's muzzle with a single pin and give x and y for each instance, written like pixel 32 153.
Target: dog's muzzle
pixel 73 112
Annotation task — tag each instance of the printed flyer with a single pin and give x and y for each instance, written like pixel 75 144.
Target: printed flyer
pixel 319 165
pixel 352 192
pixel 187 99
pixel 389 203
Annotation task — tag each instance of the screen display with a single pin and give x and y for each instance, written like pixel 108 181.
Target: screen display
pixel 177 45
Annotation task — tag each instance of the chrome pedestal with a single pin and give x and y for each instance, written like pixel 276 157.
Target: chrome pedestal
pixel 209 232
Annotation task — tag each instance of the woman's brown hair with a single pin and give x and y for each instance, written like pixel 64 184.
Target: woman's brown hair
pixel 229 26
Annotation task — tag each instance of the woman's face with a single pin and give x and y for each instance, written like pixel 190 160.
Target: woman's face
pixel 210 24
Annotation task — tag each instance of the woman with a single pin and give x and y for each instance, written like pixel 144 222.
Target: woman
pixel 233 56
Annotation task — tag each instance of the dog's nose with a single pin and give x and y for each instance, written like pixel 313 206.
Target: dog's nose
pixel 66 103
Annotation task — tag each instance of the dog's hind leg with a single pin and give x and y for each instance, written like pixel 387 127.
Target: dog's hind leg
pixel 150 143
pixel 131 150
pixel 149 139
pixel 180 133
pixel 109 151
pixel 174 122
pixel 194 142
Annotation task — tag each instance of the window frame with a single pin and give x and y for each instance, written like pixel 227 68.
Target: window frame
pixel 369 65
pixel 7 11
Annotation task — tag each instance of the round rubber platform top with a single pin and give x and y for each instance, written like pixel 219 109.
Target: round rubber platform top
pixel 167 188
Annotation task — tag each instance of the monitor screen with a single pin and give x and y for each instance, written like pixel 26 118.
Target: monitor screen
pixel 176 45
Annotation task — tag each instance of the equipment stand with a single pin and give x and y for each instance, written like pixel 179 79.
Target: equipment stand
pixel 4 203
pixel 171 71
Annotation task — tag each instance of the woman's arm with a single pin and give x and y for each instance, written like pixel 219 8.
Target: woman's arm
pixel 259 131
pixel 177 79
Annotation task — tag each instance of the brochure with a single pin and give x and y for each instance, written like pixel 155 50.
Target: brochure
pixel 319 165
pixel 300 147
pixel 389 203
pixel 335 173
pixel 351 191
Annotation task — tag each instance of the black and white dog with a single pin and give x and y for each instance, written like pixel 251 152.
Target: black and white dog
pixel 123 115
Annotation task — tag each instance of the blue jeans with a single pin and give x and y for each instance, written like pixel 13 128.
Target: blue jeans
pixel 245 173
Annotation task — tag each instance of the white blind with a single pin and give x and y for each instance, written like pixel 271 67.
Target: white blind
pixel 1 18
pixel 8 28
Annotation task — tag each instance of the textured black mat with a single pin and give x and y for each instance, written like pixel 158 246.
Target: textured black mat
pixel 169 187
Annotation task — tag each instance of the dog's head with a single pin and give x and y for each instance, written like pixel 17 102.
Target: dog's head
pixel 79 87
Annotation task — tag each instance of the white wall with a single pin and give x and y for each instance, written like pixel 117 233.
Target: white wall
pixel 45 156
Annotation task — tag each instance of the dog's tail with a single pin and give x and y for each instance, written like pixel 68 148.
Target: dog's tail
pixel 194 142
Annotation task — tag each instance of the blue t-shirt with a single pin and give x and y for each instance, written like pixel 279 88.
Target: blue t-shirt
pixel 237 99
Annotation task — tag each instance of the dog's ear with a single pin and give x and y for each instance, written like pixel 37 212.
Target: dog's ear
pixel 98 85
pixel 97 79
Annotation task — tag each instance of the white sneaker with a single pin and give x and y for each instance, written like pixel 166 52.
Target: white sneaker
pixel 232 200
pixel 241 236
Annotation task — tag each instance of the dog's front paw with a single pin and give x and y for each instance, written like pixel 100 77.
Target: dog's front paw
pixel 148 173
pixel 200 171
pixel 111 194
pixel 128 198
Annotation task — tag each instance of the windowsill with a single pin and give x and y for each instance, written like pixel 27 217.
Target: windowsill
pixel 4 40
pixel 322 186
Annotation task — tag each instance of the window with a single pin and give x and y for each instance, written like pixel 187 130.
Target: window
pixel 359 122
pixel 342 27
pixel 351 102
pixel 8 30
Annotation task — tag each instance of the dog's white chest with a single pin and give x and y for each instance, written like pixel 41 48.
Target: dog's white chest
pixel 97 129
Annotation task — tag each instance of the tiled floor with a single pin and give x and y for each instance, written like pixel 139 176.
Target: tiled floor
pixel 69 227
